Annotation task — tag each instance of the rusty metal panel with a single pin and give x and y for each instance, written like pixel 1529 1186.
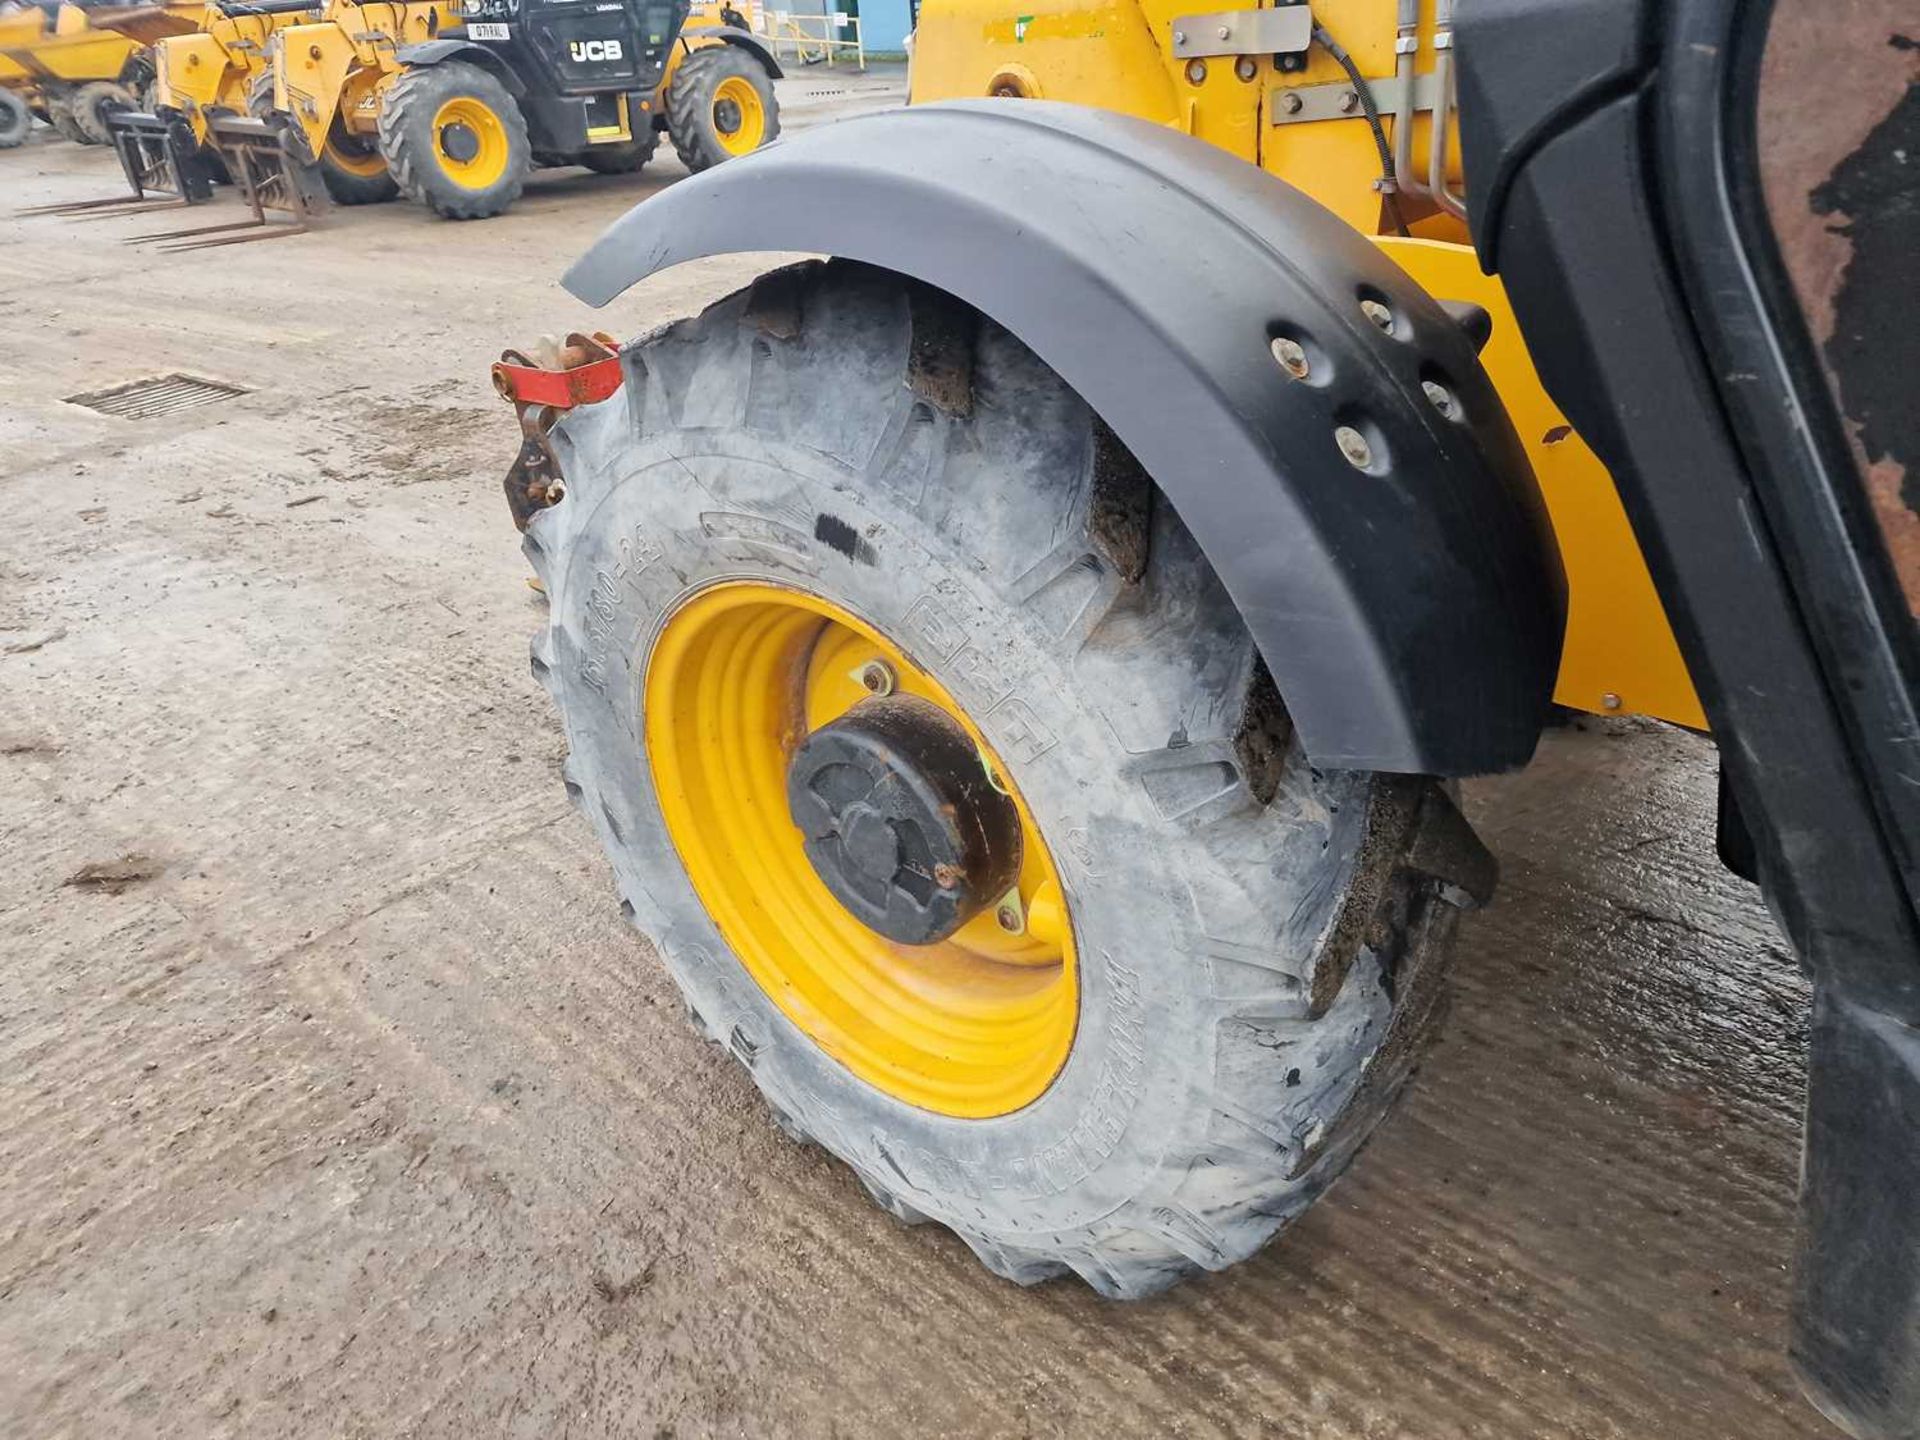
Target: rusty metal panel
pixel 1839 131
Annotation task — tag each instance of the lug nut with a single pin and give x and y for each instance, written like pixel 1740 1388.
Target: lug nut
pixel 1378 314
pixel 1441 397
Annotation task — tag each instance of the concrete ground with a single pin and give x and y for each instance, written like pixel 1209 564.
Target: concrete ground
pixel 336 1098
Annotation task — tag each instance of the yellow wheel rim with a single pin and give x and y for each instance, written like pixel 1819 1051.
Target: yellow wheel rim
pixel 470 142
pixel 352 154
pixel 739 116
pixel 974 1026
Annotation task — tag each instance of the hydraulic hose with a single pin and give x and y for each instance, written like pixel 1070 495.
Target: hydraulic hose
pixel 1389 183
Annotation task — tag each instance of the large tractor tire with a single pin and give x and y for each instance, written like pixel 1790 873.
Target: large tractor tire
pixel 720 104
pixel 627 159
pixel 455 140
pixel 842 507
pixel 351 167
pixel 16 121
pixel 92 103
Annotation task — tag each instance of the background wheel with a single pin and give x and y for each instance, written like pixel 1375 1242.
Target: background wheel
pixel 454 139
pixel 627 159
pixel 16 120
pixel 720 104
pixel 1217 962
pixel 353 169
pixel 351 166
pixel 90 104
pixel 60 115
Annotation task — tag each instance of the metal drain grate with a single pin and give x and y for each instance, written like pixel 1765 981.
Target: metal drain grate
pixel 162 395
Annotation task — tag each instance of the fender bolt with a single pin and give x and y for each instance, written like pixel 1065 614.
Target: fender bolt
pixel 1291 355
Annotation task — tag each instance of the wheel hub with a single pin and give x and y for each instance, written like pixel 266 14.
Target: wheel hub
pixel 901 821
pixel 813 814
pixel 459 143
pixel 726 116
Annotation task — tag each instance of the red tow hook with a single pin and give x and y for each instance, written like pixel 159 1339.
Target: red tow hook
pixel 584 370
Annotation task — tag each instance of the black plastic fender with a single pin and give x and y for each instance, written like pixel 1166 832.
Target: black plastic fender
pixel 435 52
pixel 1405 591
pixel 745 39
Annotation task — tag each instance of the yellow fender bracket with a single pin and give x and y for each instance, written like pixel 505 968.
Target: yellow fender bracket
pixel 1619 654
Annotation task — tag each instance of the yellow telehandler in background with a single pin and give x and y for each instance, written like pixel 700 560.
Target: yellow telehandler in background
pixel 202 68
pixel 455 108
pixel 429 98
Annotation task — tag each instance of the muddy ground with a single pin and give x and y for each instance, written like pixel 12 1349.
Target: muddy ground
pixel 335 1098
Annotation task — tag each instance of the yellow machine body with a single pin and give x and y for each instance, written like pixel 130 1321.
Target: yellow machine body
pixel 1620 654
pixel 150 24
pixel 212 66
pixel 69 51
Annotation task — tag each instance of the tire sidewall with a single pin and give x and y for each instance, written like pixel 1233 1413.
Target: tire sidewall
pixel 734 507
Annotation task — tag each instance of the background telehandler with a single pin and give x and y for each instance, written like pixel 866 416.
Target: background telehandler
pixel 1018 667
pixel 455 107
pixel 434 100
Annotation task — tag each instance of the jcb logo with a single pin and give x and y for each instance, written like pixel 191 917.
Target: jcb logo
pixel 585 50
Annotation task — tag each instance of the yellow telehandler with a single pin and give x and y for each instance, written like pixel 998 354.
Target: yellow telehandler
pixel 455 107
pixel 1018 667
pixel 190 132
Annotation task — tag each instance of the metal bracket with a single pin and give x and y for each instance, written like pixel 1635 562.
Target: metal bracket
pixel 1284 31
pixel 541 388
pixel 1296 104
